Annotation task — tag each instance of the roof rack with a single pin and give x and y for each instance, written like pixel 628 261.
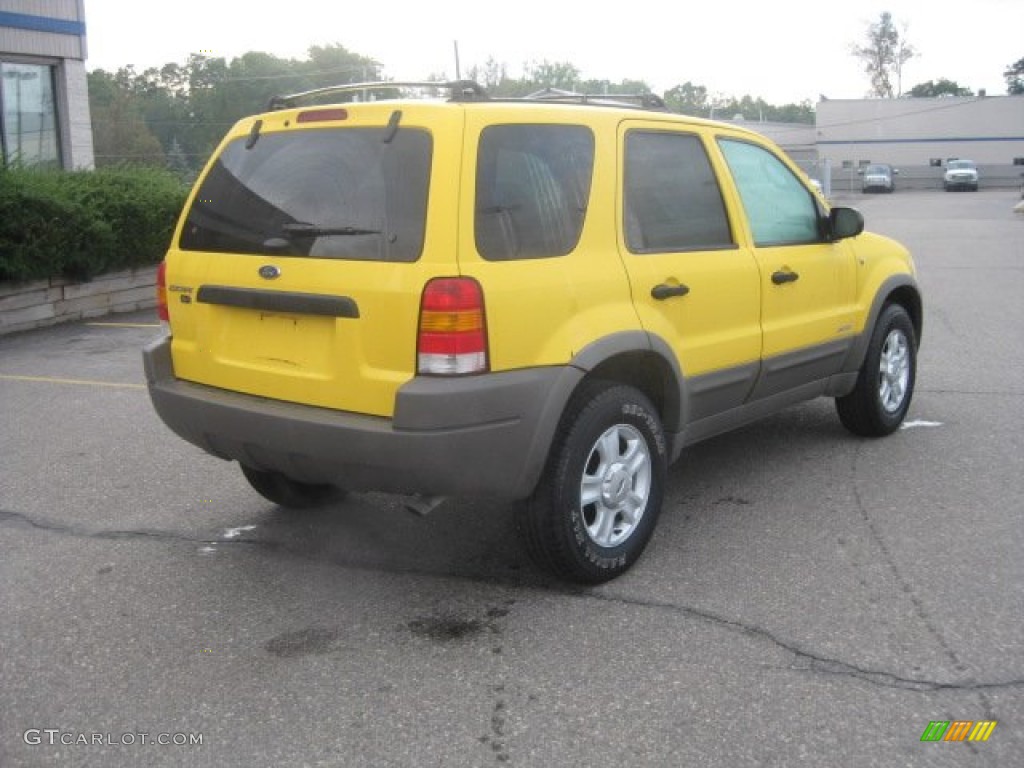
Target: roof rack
pixel 459 90
pixel 638 100
pixel 467 91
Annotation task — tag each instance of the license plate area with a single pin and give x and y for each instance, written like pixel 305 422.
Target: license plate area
pixel 276 342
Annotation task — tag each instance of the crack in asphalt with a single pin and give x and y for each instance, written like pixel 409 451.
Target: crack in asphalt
pixel 816 663
pixel 984 393
pixel 18 518
pixel 919 608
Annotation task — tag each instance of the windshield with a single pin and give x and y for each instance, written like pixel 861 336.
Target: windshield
pixel 353 193
pixel 959 165
pixel 878 170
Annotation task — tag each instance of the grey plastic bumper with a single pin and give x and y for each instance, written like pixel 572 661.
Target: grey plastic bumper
pixel 487 434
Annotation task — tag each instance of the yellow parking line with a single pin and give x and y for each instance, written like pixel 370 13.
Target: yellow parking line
pixel 78 382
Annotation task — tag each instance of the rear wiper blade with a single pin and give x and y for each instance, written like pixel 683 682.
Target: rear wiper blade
pixel 312 230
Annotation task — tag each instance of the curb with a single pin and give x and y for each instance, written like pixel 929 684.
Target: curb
pixel 40 303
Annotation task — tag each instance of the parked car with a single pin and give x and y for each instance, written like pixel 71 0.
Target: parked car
pixel 878 177
pixel 960 174
pixel 542 300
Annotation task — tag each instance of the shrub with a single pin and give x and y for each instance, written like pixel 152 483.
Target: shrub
pixel 79 224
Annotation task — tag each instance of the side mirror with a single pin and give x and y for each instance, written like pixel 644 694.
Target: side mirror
pixel 895 171
pixel 845 222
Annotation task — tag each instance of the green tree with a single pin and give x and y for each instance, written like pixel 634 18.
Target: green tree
pixel 940 87
pixel 119 129
pixel 1014 75
pixel 561 75
pixel 883 56
pixel 688 99
pixel 493 75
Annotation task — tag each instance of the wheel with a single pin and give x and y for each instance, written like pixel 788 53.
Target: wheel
pixel 597 503
pixel 289 493
pixel 885 385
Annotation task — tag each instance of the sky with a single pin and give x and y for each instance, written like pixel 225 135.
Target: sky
pixel 786 51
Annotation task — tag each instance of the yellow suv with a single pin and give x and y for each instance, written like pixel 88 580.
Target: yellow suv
pixel 541 299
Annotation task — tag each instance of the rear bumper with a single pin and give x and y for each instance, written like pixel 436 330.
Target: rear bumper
pixel 486 434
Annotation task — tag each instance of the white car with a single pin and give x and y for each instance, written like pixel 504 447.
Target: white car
pixel 960 174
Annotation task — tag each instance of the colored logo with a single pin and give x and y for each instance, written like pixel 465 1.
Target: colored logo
pixel 269 272
pixel 959 730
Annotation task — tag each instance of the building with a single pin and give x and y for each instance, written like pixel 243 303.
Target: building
pixel 919 136
pixel 44 97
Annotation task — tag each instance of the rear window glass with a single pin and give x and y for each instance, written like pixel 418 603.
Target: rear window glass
pixel 352 193
pixel 532 187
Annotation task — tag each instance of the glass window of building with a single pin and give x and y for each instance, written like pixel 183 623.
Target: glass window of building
pixel 29 132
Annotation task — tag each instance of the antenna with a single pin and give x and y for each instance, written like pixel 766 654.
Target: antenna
pixel 458 70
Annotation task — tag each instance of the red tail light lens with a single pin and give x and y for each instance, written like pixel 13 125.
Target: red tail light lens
pixel 452 338
pixel 161 293
pixel 322 115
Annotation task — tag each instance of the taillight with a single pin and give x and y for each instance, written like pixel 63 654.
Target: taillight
pixel 322 115
pixel 453 330
pixel 161 293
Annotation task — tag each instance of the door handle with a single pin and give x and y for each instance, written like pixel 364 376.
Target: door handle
pixel 784 276
pixel 664 291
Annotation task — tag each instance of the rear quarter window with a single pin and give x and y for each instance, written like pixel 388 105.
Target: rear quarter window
pixel 349 193
pixel 532 188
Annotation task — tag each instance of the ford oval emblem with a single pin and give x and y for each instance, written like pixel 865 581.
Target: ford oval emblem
pixel 269 272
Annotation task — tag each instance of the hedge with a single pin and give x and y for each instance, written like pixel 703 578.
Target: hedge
pixel 79 224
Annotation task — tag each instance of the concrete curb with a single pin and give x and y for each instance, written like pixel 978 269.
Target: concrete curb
pixel 24 306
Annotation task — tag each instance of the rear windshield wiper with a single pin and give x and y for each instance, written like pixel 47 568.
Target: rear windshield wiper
pixel 305 229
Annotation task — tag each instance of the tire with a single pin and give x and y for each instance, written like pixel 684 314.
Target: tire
pixel 885 385
pixel 289 493
pixel 597 503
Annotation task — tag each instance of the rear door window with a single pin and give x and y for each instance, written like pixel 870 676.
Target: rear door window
pixel 672 198
pixel 532 187
pixel 352 193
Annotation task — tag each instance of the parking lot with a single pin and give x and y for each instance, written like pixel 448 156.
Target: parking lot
pixel 809 598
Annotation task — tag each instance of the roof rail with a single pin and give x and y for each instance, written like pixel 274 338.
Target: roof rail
pixel 459 90
pixel 464 91
pixel 638 100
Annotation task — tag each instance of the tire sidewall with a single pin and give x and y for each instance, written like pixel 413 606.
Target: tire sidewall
pixel 615 406
pixel 892 318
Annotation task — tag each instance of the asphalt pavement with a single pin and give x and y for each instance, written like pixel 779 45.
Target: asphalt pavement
pixel 809 598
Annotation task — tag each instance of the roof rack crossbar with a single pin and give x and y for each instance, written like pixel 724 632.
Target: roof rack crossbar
pixel 459 90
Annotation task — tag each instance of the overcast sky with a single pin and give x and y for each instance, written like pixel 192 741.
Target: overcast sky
pixel 784 51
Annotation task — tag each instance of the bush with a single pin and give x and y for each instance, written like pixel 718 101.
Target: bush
pixel 78 224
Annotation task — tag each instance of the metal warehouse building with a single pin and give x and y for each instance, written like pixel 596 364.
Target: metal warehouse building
pixel 44 100
pixel 918 136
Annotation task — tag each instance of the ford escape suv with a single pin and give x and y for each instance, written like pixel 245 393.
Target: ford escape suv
pixel 544 300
